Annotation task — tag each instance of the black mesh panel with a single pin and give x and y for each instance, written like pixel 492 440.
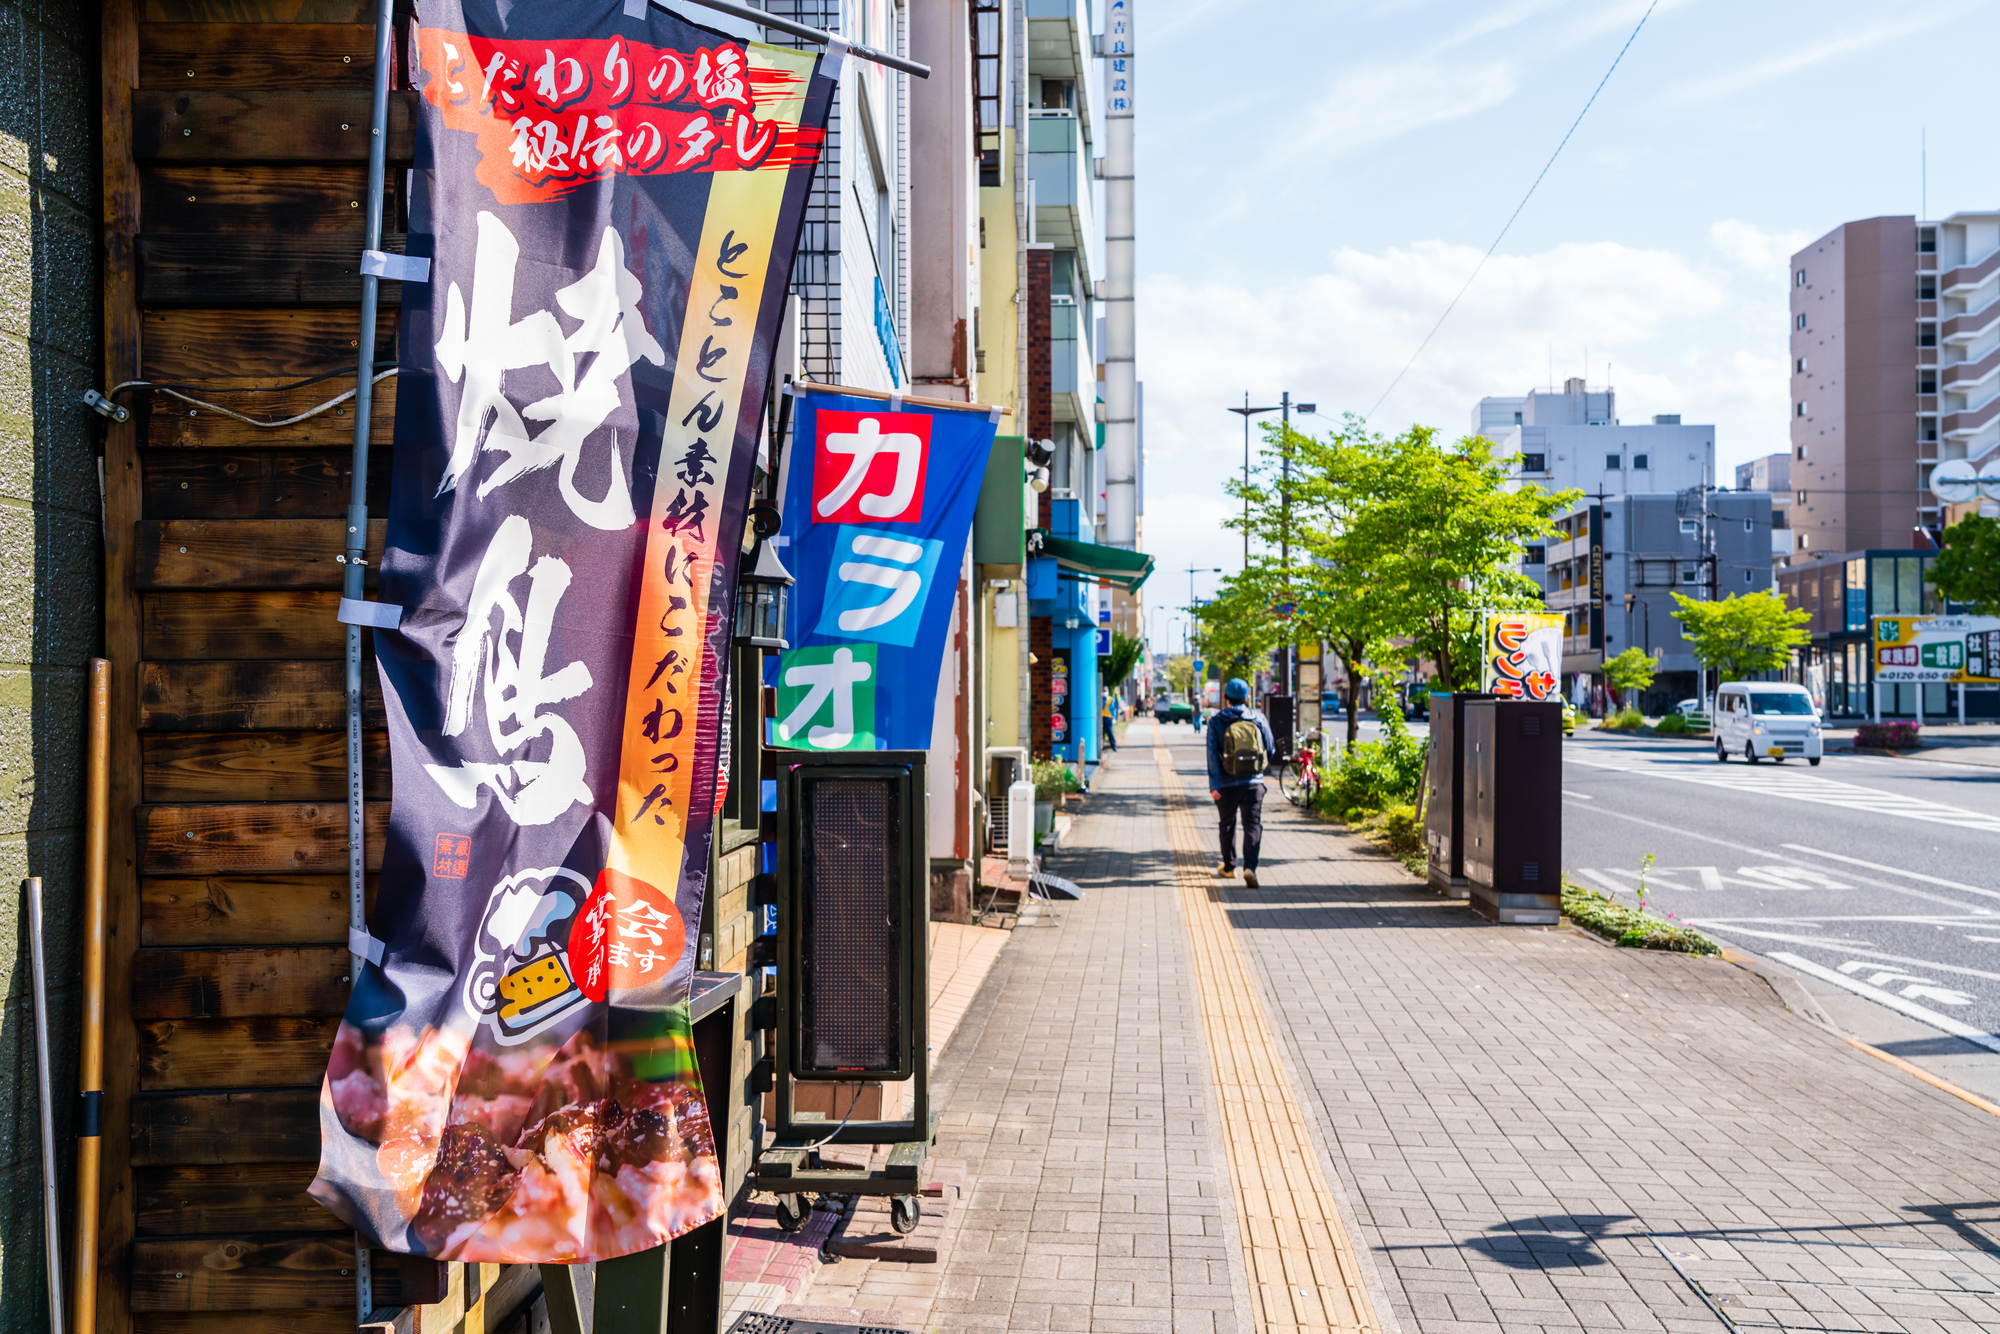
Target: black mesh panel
pixel 853 935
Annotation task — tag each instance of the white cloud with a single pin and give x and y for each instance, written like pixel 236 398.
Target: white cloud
pixel 1372 104
pixel 1696 335
pixel 1757 249
pixel 1792 61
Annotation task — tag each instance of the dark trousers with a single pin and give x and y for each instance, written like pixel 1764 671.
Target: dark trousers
pixel 1110 737
pixel 1249 799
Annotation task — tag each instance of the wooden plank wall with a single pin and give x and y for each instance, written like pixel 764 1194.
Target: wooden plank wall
pixel 236 138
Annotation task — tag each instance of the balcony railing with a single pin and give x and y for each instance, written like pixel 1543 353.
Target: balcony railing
pixel 1072 367
pixel 1059 170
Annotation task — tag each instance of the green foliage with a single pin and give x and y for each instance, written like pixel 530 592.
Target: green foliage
pixel 1889 736
pixel 1672 725
pixel 1967 570
pixel 1742 635
pixel 1052 779
pixel 1238 629
pixel 1398 832
pixel 1374 775
pixel 1633 928
pixel 1625 720
pixel 1631 670
pixel 1114 667
pixel 1179 672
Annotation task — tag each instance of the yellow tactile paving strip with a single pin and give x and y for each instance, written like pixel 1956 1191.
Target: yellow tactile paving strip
pixel 1302 1268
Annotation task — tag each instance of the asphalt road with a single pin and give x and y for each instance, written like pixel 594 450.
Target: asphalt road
pixel 1876 879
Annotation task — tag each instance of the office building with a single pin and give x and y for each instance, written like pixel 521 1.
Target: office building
pixel 1773 474
pixel 1573 438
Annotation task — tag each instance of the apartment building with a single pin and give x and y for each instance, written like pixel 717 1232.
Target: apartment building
pixel 1573 438
pixel 1773 474
pixel 1616 564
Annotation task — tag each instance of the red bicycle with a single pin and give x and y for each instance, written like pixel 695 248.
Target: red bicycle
pixel 1299 779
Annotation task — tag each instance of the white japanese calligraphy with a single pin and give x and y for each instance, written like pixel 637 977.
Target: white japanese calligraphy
pixel 480 345
pixel 903 584
pixel 515 688
pixel 837 679
pixel 862 446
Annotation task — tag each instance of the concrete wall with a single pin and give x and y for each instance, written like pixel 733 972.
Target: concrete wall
pixel 51 578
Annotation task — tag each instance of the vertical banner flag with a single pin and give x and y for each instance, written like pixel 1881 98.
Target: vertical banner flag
pixel 1522 654
pixel 610 205
pixel 878 506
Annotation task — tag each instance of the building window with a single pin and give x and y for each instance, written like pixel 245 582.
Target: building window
pixel 1749 525
pixel 1688 525
pixel 1930 436
pixel 1802 452
pixel 1534 463
pixel 1746 573
pixel 1536 556
pixel 1927 335
pixel 1638 461
pixel 1799 320
pixel 1927 240
pixel 1517 419
pixel 1799 280
pixel 1927 384
pixel 1612 463
pixel 1687 574
pixel 1927 289
pixel 1802 408
pixel 1801 365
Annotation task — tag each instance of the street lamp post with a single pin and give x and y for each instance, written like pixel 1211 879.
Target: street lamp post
pixel 1284 406
pixel 1247 412
pixel 1192 571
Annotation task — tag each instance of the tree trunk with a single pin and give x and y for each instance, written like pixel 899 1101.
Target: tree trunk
pixel 1353 656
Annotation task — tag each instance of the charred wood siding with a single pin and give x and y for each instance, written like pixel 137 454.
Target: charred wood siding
pixel 235 174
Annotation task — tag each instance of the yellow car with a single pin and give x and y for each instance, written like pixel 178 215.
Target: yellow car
pixel 1569 719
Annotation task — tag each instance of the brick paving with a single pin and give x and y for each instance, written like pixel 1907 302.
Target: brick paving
pixel 1506 1115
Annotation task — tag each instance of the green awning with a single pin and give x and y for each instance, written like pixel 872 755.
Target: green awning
pixel 1111 565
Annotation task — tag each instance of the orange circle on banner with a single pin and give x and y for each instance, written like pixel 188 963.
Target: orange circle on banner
pixel 628 935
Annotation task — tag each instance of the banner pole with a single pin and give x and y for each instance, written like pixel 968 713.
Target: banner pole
pixel 793 28
pixel 90 1048
pixel 353 583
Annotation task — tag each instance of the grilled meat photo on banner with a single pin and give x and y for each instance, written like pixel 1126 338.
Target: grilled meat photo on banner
pixel 610 205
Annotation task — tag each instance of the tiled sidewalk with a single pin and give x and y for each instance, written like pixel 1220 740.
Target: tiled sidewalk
pixel 1525 1126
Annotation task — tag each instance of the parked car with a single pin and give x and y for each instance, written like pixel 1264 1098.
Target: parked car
pixel 1688 708
pixel 1569 718
pixel 1766 720
pixel 1173 709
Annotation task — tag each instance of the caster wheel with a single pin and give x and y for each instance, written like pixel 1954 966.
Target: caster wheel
pixel 793 1211
pixel 904 1211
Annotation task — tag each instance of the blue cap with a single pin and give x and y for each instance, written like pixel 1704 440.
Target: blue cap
pixel 1238 689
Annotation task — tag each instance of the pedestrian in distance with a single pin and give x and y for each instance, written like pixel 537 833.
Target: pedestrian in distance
pixel 1110 717
pixel 1240 743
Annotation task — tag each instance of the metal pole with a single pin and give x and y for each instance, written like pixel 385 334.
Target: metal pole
pixel 1246 480
pixel 51 1220
pixel 1285 519
pixel 356 554
pixel 90 1052
pixel 794 28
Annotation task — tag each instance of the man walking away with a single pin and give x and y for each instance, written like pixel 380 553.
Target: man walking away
pixel 1240 743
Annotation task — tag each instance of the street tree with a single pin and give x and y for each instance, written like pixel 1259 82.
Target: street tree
pixel 1631 671
pixel 1445 531
pixel 1967 570
pixel 1115 667
pixel 1740 635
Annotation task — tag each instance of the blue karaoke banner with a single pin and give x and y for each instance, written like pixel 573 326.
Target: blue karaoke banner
pixel 878 506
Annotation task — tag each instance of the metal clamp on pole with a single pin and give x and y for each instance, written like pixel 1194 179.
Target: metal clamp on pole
pixel 396 268
pixel 837 46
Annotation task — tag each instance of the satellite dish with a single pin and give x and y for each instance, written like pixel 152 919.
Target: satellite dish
pixel 1989 478
pixel 1955 482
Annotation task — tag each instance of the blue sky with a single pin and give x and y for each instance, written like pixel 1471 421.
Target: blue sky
pixel 1317 177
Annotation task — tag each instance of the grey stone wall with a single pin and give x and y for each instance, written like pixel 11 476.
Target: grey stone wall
pixel 51 575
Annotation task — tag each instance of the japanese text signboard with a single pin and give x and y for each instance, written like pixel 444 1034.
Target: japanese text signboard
pixel 1960 649
pixel 878 508
pixel 610 205
pixel 1521 654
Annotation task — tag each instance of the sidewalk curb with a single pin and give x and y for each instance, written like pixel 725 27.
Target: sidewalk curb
pixel 1809 1010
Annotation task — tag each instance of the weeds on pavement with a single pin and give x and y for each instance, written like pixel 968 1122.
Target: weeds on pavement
pixel 1634 928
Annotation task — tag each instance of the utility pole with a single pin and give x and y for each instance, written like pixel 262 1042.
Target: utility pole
pixel 1247 412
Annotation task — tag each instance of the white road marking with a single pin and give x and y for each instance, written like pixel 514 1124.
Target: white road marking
pixel 1802 787
pixel 1920 988
pixel 1894 870
pixel 1580 796
pixel 1864 948
pixel 1985 940
pixel 1680 832
pixel 1942 1022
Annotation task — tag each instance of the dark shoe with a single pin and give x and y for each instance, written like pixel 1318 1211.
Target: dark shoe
pixel 1250 879
pixel 1226 871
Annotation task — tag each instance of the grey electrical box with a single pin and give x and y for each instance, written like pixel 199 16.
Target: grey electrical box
pixel 1510 761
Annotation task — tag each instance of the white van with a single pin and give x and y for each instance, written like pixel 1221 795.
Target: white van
pixel 1756 719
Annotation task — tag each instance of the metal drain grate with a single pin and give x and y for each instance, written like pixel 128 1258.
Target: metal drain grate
pixel 755 1322
pixel 1837 1288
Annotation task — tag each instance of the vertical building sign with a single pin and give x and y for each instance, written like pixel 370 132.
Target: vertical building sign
pixel 610 205
pixel 1597 577
pixel 1062 708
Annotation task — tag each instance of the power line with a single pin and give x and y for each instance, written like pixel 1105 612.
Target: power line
pixel 1516 213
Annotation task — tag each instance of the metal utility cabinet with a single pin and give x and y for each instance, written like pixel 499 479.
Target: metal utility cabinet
pixel 1444 795
pixel 1510 756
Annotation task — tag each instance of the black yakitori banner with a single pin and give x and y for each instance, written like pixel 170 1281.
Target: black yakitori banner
pixel 610 205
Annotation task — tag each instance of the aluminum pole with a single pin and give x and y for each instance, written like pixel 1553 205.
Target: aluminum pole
pixel 51 1220
pixel 1121 369
pixel 352 583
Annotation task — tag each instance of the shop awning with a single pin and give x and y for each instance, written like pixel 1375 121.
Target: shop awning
pixel 1111 565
